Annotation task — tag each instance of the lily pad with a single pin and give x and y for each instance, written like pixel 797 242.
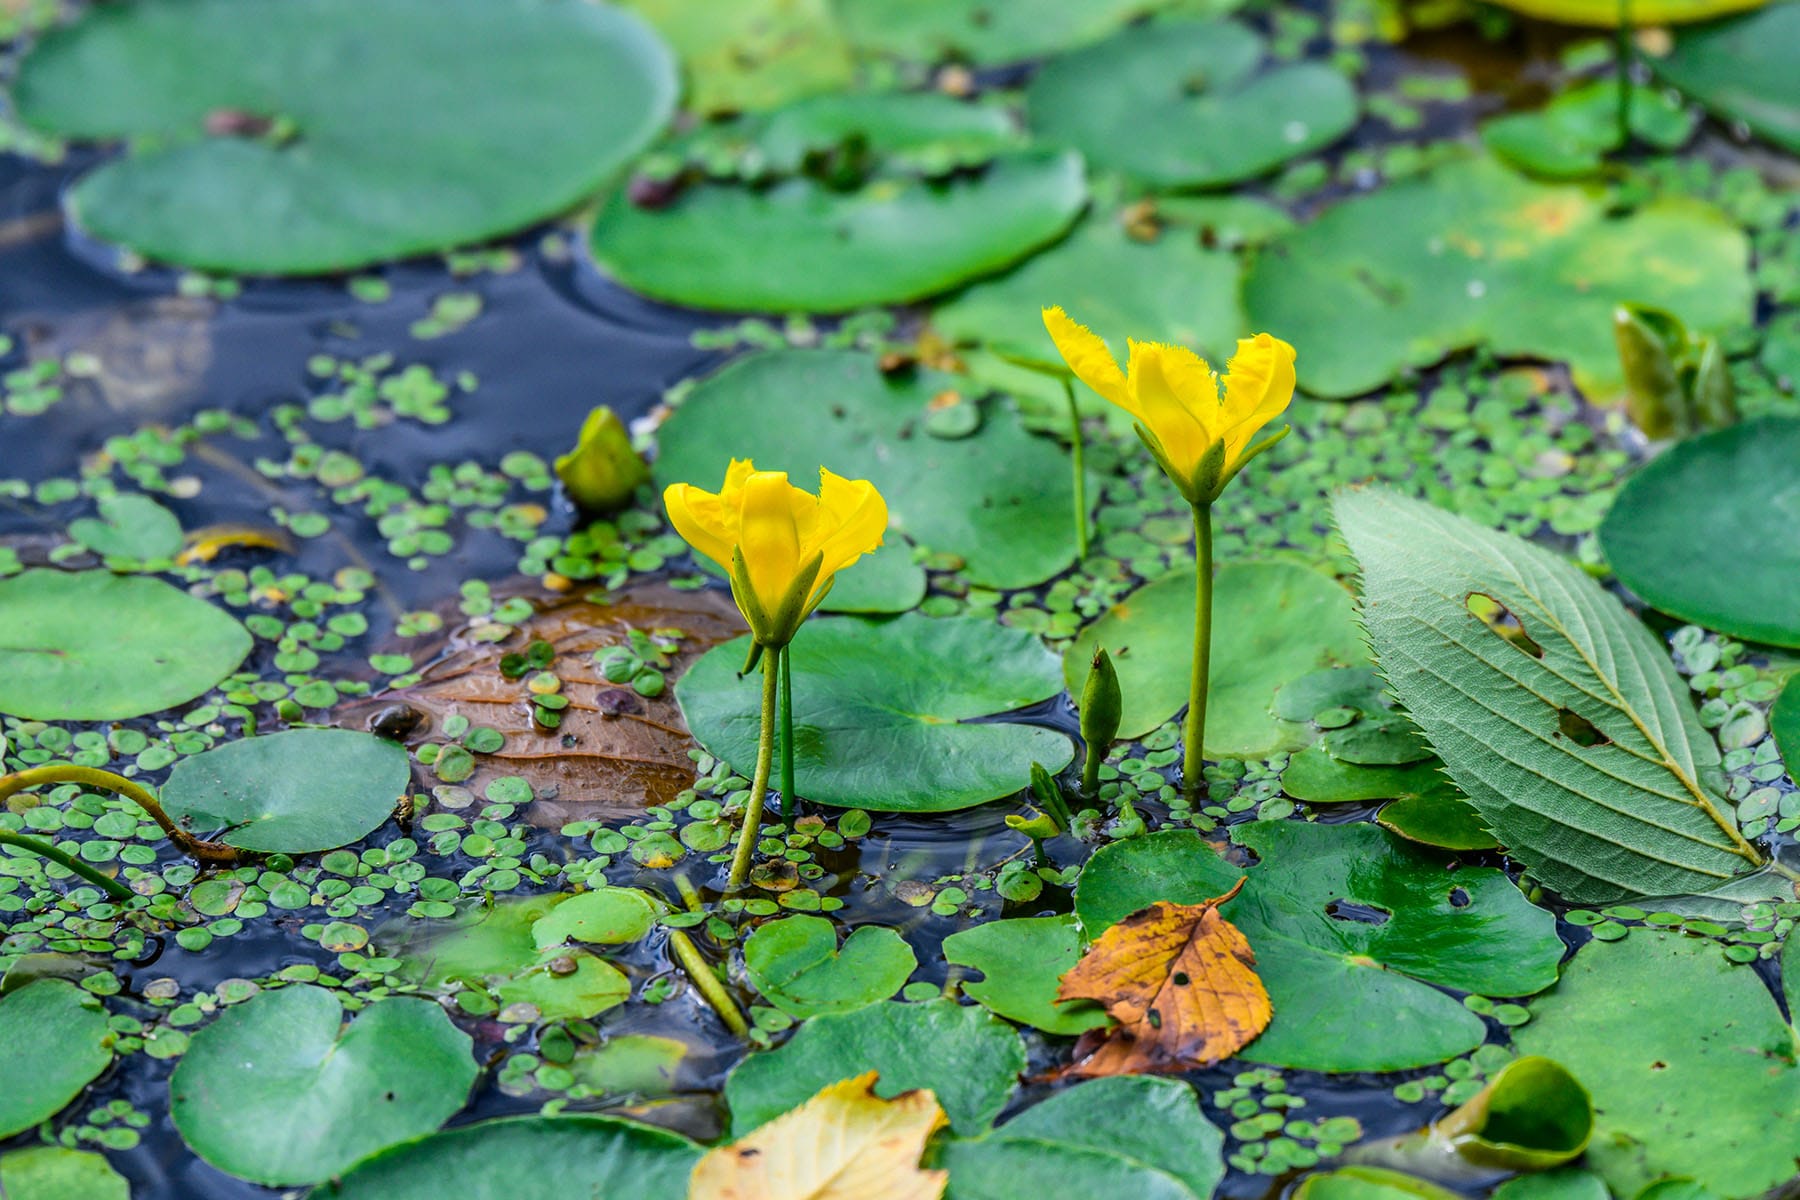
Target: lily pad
pixel 999 499
pixel 1565 1183
pixel 593 1157
pixel 279 1090
pixel 1784 723
pixel 359 132
pixel 1573 133
pixel 130 527
pixel 1171 289
pixel 1272 623
pixel 54 1040
pixel 93 646
pixel 1705 531
pixel 1689 1062
pixel 292 792
pixel 751 54
pixel 1181 104
pixel 797 965
pixel 993 32
pixel 1368 1183
pixel 968 1058
pixel 1472 254
pixel 1015 956
pixel 607 916
pixel 894 239
pixel 885 711
pixel 1742 68
pixel 1441 818
pixel 1351 927
pixel 54 1173
pixel 1316 777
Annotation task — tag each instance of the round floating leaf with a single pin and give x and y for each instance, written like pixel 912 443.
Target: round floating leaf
pixel 633 1063
pixel 1784 723
pixel 54 1040
pixel 92 646
pixel 1004 1168
pixel 751 54
pixel 1171 289
pixel 884 711
pixel 1573 133
pixel 1705 531
pixel 996 31
pixel 1605 14
pixel 129 526
pixel 358 132
pixel 607 916
pixel 891 240
pixel 1351 927
pixel 1689 1062
pixel 1743 69
pixel 796 964
pixel 53 1173
pixel 1472 254
pixel 306 789
pixel 1567 1183
pixel 1441 818
pixel 279 1090
pixel 1014 956
pixel 1181 105
pixel 1316 777
pixel 601 1158
pixel 1272 623
pixel 1368 1183
pixel 999 499
pixel 967 1057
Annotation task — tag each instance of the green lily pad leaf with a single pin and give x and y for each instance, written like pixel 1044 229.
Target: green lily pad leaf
pixel 497 950
pixel 1274 623
pixel 1565 1183
pixel 1572 134
pixel 1705 531
pixel 967 1057
pixel 1180 104
pixel 1016 957
pixel 359 132
pixel 54 1040
pixel 1742 69
pixel 893 239
pixel 1390 740
pixel 1531 1116
pixel 292 792
pixel 1784 723
pixel 1169 290
pixel 1153 1124
pixel 1472 254
pixel 1689 1062
pixel 1351 927
pixel 131 527
pixel 1358 689
pixel 1441 818
pixel 926 132
pixel 637 1064
pixel 1316 777
pixel 1368 1183
pixel 1605 14
pixel 54 1173
pixel 607 916
pixel 796 964
pixel 596 1158
pixel 1000 499
pixel 885 711
pixel 93 646
pixel 994 32
pixel 752 54
pixel 279 1090
pixel 1008 1168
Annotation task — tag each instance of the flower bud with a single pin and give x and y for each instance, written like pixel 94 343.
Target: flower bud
pixel 602 471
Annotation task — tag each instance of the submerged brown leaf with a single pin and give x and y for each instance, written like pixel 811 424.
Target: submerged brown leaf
pixel 617 751
pixel 1181 982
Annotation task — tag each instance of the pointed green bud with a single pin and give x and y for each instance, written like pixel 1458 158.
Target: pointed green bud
pixel 1711 394
pixel 1650 342
pixel 602 472
pixel 1033 824
pixel 1049 795
pixel 1102 707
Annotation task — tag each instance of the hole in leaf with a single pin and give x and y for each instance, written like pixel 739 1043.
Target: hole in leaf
pixel 1459 898
pixel 1350 910
pixel 1497 617
pixel 1579 729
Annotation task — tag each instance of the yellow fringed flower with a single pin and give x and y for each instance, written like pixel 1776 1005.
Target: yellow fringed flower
pixel 1199 432
pixel 780 545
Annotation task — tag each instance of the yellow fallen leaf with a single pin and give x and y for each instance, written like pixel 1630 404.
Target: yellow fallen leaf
pixel 1180 981
pixel 846 1143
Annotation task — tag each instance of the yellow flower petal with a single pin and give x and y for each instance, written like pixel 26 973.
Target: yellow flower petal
pixel 1088 357
pixel 1170 386
pixel 852 519
pixel 701 519
pixel 769 536
pixel 1259 385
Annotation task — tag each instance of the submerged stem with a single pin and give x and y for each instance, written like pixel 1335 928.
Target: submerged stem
pixel 43 849
pixel 1193 761
pixel 118 785
pixel 1077 450
pixel 759 786
pixel 711 990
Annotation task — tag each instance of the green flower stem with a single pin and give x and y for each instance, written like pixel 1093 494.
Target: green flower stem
pixel 759 786
pixel 118 785
pixel 1078 449
pixel 705 979
pixel 788 795
pixel 1193 760
pixel 43 849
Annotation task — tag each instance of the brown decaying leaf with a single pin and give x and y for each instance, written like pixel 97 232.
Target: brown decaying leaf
pixel 845 1143
pixel 617 752
pixel 1180 981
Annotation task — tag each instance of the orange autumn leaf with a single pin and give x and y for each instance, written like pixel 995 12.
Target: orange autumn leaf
pixel 1181 982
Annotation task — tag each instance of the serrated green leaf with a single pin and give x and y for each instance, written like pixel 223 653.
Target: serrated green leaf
pixel 1638 812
